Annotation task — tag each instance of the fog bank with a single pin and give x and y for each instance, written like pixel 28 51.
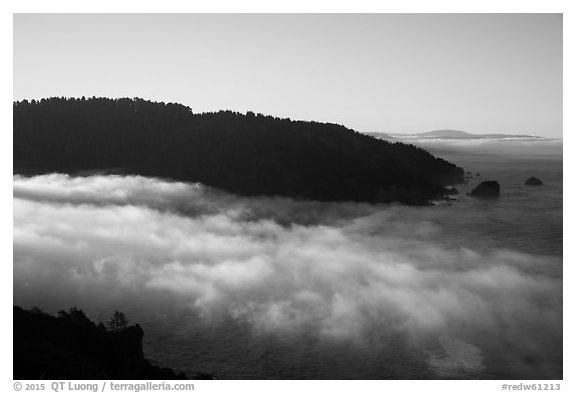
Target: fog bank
pixel 341 271
pixel 498 146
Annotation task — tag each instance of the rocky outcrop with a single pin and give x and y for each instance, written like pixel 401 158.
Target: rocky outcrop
pixel 486 190
pixel 73 347
pixel 533 181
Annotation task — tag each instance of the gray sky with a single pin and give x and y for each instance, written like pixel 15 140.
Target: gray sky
pixel 480 73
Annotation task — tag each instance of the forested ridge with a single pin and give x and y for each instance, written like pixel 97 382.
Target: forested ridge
pixel 247 154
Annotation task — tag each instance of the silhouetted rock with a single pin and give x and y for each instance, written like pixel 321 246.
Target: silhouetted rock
pixel 73 347
pixel 533 181
pixel 248 154
pixel 486 189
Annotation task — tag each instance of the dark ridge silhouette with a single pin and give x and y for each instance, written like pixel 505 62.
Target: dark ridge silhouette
pixel 71 346
pixel 249 154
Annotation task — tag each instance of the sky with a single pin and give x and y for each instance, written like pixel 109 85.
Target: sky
pixel 397 73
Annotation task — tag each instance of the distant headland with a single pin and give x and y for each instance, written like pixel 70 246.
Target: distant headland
pixel 247 154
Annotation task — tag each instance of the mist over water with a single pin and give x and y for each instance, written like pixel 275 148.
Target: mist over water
pixel 502 148
pixel 277 288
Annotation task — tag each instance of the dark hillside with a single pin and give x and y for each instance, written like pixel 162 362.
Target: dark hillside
pixel 73 347
pixel 244 154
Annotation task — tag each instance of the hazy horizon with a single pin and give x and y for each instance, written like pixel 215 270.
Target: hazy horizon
pixel 472 132
pixel 388 73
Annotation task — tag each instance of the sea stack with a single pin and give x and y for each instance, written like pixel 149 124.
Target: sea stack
pixel 533 181
pixel 486 190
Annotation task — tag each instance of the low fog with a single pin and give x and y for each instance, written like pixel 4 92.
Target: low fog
pixel 499 146
pixel 341 271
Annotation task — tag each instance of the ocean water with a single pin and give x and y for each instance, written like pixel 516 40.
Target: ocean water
pixel 524 218
pixel 276 289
